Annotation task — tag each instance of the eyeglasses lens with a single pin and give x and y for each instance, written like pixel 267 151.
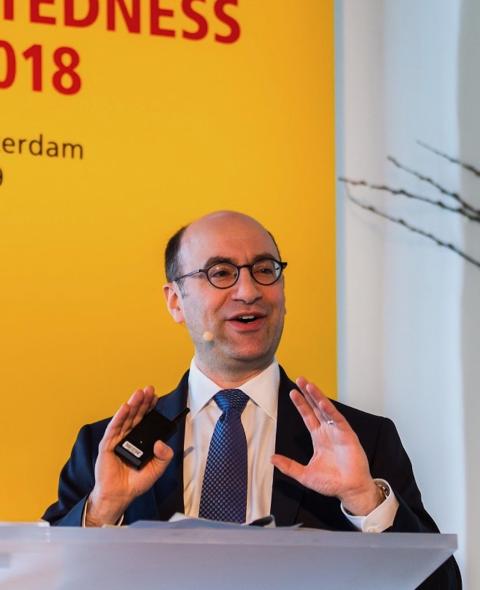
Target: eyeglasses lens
pixel 222 275
pixel 266 272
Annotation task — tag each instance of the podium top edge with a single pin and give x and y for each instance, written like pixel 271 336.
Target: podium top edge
pixel 23 534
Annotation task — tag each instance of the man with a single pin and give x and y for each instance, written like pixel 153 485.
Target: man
pixel 336 467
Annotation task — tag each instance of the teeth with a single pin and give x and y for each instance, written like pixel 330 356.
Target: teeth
pixel 246 318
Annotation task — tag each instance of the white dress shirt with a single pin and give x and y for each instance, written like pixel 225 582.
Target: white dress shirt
pixel 259 419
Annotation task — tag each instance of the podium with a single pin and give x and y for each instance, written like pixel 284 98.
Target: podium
pixel 63 558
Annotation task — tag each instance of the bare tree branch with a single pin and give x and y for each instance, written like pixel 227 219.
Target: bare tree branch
pixel 473 216
pixel 438 186
pixel 464 165
pixel 414 229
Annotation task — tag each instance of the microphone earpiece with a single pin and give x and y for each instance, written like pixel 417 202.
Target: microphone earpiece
pixel 207 336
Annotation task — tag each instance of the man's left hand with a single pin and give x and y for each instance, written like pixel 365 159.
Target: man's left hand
pixel 339 466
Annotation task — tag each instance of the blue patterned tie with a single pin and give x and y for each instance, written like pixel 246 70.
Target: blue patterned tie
pixel 224 491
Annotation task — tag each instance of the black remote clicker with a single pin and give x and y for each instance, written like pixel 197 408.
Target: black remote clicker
pixel 136 449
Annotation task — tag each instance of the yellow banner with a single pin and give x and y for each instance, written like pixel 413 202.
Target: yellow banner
pixel 122 120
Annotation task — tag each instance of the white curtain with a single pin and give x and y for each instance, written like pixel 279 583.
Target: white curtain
pixel 409 310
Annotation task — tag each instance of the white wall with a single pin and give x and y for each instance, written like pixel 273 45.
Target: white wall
pixel 406 348
pixel 469 150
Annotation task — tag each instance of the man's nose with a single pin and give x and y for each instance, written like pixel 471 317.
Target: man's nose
pixel 246 288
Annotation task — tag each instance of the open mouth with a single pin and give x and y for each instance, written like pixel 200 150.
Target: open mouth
pixel 246 319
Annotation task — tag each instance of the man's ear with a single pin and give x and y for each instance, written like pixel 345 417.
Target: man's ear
pixel 173 298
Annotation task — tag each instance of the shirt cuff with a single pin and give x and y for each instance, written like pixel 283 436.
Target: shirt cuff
pixel 84 516
pixel 379 519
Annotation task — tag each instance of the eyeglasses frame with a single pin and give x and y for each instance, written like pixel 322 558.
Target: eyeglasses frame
pixel 282 264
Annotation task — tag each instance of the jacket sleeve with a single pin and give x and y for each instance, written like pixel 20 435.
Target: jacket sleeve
pixel 77 480
pixel 392 463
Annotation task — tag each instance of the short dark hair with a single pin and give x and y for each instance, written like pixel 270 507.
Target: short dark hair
pixel 275 244
pixel 172 251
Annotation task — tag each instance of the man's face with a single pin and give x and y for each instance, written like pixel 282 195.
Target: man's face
pixel 237 345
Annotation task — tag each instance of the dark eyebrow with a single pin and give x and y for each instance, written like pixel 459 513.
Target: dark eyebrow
pixel 219 259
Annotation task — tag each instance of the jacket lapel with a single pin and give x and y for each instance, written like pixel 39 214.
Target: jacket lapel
pixel 166 496
pixel 169 488
pixel 293 441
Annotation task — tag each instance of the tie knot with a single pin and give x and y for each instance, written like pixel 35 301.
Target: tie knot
pixel 231 399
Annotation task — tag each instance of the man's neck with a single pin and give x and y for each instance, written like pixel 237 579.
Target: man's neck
pixel 228 378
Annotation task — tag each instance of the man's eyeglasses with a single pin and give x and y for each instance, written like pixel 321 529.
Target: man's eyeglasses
pixel 223 275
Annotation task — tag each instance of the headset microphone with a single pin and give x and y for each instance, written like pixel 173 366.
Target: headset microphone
pixel 207 336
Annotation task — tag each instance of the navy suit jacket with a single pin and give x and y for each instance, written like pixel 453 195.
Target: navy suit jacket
pixel 291 502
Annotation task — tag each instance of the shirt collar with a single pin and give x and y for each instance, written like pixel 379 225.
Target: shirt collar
pixel 261 389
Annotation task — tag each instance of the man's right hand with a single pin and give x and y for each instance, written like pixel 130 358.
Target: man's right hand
pixel 116 484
